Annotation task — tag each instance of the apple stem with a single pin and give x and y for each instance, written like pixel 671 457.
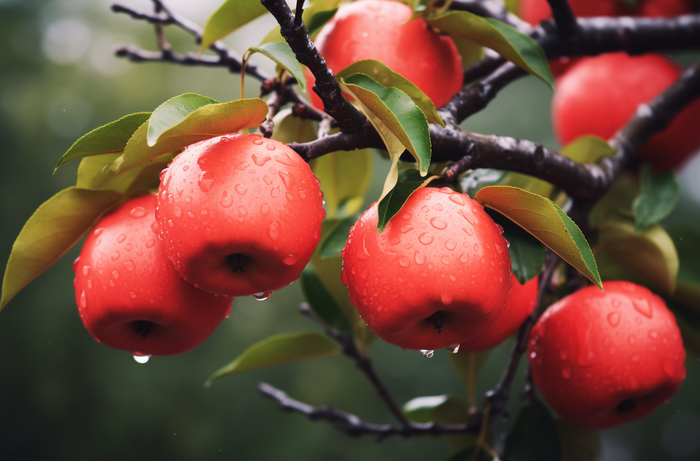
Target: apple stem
pixel 626 406
pixel 438 319
pixel 236 261
pixel 143 327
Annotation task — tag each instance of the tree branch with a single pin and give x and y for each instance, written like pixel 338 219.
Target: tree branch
pixel 563 16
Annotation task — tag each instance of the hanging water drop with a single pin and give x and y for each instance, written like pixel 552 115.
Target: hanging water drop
pixel 141 358
pixel 427 353
pixel 262 296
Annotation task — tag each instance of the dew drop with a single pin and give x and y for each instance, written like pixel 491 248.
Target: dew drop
pixel 115 274
pixel 177 212
pixel 121 238
pixel 455 349
pixel 438 223
pixel 132 295
pixel 450 244
pixel 262 296
pixel 129 266
pixel 364 256
pixel 476 248
pixel 171 223
pixel 425 208
pixel 191 214
pixel 404 262
pixel 86 271
pixel 141 358
pixel 643 307
pixel 258 142
pixel 468 231
pixel 614 319
pixel 445 260
pixel 275 192
pixel 82 301
pixel 261 159
pixel 136 212
pixel 287 179
pixel 499 249
pixel 425 238
pixel 150 243
pixel 264 209
pixel 457 198
pixel 185 168
pixel 464 258
pixel 242 210
pixel 653 334
pixel 419 258
pixel 273 230
pixel 291 259
pixel 115 255
pixel 97 232
pixel 204 212
pixel 427 353
pixel 406 228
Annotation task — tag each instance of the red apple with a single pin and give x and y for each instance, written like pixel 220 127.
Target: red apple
pixel 129 295
pixel 520 303
pixel 436 276
pixel 602 359
pixel 599 95
pixel 375 29
pixel 239 215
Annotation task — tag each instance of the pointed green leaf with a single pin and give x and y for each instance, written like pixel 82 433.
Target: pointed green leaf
pixel 533 436
pixel 588 149
pixel 514 46
pixel 526 252
pixel 278 349
pixel 545 221
pixel 283 55
pixel 106 139
pixel 335 242
pixel 409 181
pixel 231 15
pixel 172 112
pixel 381 73
pixel 469 51
pixel 443 409
pixel 321 301
pixel 658 195
pixel 649 254
pixel 318 20
pixel 618 198
pixel 53 229
pixel 345 177
pixel 203 123
pixel 91 173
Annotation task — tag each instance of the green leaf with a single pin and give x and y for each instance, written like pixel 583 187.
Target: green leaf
pixel 381 73
pixel 318 20
pixel 172 112
pixel 345 177
pixel 658 195
pixel 321 301
pixel 408 182
pixel 468 455
pixel 578 443
pixel 526 252
pixel 283 55
pixel 443 409
pixel 618 199
pixel 399 122
pixel 469 51
pixel 468 366
pixel 203 123
pixel 145 175
pixel 588 149
pixel 649 254
pixel 545 221
pixel 278 349
pixel 533 436
pixel 231 15
pixel 514 46
pixel 687 242
pixel 106 139
pixel 335 242
pixel 479 178
pixel 53 229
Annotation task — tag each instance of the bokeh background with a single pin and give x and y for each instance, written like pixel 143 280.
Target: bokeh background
pixel 63 396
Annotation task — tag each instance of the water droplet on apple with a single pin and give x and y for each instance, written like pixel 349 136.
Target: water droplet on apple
pixel 261 159
pixel 653 334
pixel 566 372
pixel 290 259
pixel 171 223
pixel 476 248
pixel 438 223
pixel 262 296
pixel 446 298
pixel 457 198
pixel 115 274
pixel 404 262
pixel 132 294
pixel 468 231
pixel 533 355
pixel 205 182
pixel 191 214
pixel 86 270
pixel 643 307
pixel 406 228
pixel 614 319
pixel 204 212
pixel 177 212
pixel 82 301
pixel 129 266
pixel 258 142
pixel 270 147
pixel 115 255
pixel 141 358
pixel 425 238
pixel 150 243
pixel 136 212
pixel 185 168
pixel 453 349
pixel 287 179
pixel 121 238
pixel 427 353
pixel 273 230
pixel 275 192
pixel 464 258
pixel 445 260
pixel 499 249
pixel 364 256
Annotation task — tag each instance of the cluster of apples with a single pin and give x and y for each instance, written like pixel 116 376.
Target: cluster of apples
pixel 599 95
pixel 241 215
pixel 234 216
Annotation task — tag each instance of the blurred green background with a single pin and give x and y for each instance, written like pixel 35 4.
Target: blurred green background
pixel 64 396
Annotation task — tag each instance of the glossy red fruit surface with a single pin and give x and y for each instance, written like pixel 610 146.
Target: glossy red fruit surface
pixel 437 275
pixel 375 29
pixel 520 303
pixel 599 95
pixel 129 295
pixel 602 359
pixel 239 215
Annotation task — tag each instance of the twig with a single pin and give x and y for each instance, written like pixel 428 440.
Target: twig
pixel 563 16
pixel 498 397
